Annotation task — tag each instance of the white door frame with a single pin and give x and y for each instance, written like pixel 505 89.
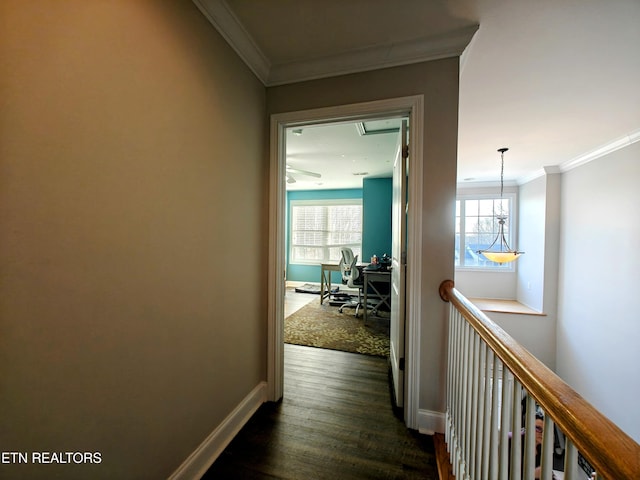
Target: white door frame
pixel 413 107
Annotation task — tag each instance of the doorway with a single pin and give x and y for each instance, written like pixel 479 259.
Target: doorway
pixel 409 107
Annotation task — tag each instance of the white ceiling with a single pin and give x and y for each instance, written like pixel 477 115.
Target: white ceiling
pixel 555 81
pixel 341 153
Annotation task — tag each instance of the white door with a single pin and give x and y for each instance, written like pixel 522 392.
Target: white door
pixel 398 265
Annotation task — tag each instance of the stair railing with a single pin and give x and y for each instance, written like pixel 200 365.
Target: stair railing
pixel 495 387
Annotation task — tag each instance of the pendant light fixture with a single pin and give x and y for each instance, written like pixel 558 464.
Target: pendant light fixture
pixel 502 253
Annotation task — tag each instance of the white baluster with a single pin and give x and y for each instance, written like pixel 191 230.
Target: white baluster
pixel 530 439
pixel 459 394
pixel 450 369
pixel 504 424
pixel 516 437
pixel 466 417
pixel 486 411
pixel 452 441
pixel 495 418
pixel 474 402
pixel 547 450
pixel 570 461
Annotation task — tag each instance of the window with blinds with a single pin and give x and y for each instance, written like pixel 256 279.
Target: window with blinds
pixel 318 228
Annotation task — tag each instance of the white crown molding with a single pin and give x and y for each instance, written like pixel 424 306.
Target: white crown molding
pixel 221 16
pixel 548 170
pixel 227 24
pixel 599 152
pixel 375 57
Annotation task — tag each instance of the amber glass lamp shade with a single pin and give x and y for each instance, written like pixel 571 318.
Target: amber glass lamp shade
pixel 501 257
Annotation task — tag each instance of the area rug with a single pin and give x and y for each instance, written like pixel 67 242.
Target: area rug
pixel 323 326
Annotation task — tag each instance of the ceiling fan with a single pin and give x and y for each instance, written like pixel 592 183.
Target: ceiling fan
pixel 293 172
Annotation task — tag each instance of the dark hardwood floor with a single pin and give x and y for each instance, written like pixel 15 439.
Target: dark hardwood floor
pixel 334 422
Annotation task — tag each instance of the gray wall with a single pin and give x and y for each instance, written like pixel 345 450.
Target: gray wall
pixel 132 234
pixel 438 82
pixel 598 329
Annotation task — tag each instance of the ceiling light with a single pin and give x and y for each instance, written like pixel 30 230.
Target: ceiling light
pixel 297 131
pixel 504 254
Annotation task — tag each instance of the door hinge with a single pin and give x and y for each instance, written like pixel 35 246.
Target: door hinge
pixel 405 151
pixel 401 364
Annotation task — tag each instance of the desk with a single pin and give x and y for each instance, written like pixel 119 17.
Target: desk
pixel 325 279
pixel 371 277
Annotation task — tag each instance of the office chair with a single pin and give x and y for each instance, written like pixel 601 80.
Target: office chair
pixel 346 259
pixel 354 280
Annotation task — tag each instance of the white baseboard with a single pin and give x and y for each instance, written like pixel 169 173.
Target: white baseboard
pixel 202 458
pixel 430 422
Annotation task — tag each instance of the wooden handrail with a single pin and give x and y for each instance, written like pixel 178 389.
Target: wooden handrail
pixel 613 453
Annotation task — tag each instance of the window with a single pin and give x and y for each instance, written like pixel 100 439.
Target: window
pixel 477 227
pixel 320 227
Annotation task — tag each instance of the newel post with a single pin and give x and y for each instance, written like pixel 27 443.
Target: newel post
pixel 444 289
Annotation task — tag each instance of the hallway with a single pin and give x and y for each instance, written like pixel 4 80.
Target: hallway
pixel 335 422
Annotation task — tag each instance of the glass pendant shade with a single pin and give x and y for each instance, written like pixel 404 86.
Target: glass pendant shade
pixel 502 257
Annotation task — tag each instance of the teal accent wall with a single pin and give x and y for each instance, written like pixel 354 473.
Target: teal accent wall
pixel 311 273
pixel 376 222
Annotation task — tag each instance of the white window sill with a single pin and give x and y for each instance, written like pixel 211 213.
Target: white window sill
pixel 504 306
